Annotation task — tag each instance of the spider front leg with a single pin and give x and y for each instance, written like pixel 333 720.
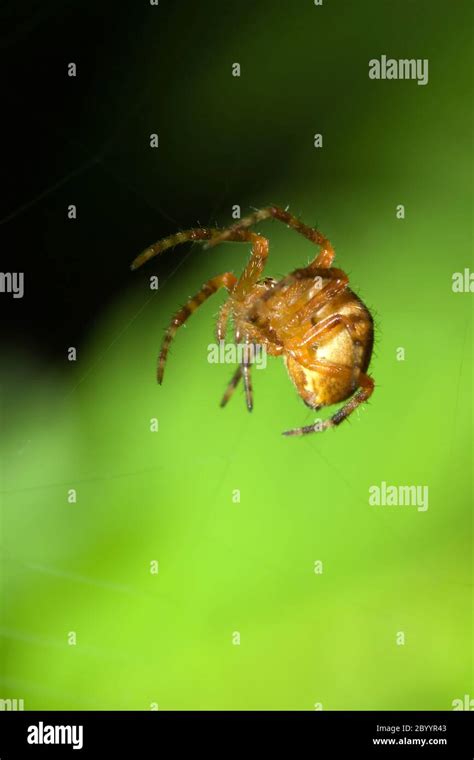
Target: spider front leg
pixel 366 388
pixel 226 280
pixel 324 258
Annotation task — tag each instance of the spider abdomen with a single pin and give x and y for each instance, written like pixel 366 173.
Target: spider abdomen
pixel 327 371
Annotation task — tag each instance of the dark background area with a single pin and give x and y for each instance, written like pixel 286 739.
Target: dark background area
pixel 53 154
pixel 64 141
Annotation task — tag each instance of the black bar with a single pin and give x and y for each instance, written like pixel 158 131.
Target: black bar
pixel 109 734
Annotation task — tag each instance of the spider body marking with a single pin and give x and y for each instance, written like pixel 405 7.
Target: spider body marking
pixel 310 318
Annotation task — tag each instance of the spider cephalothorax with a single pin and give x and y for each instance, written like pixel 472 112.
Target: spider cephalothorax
pixel 311 318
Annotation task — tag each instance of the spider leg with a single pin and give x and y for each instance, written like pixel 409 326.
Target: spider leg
pixel 226 280
pixel 249 276
pixel 327 368
pixel 223 318
pixel 338 282
pixel 324 258
pixel 320 330
pixel 366 388
pixel 232 386
pixel 238 288
pixel 195 235
pixel 255 266
pixel 247 377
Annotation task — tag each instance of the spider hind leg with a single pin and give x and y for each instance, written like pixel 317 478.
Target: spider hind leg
pixel 366 388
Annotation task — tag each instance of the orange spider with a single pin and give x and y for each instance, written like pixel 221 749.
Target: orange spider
pixel 311 318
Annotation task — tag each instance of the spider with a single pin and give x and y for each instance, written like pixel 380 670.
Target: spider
pixel 311 318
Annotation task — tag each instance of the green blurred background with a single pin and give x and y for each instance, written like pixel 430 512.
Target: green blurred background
pixel 166 639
